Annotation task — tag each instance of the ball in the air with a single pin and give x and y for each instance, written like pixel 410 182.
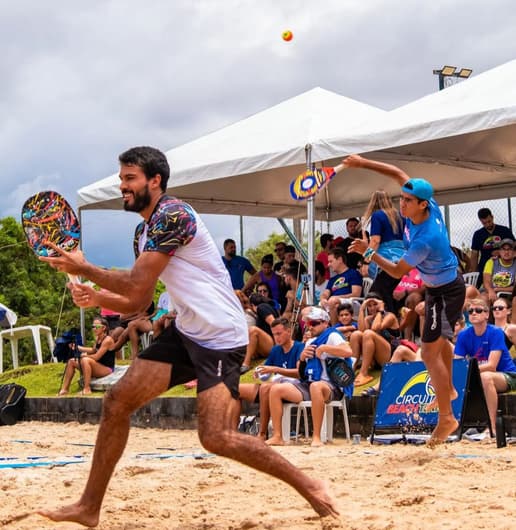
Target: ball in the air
pixel 287 35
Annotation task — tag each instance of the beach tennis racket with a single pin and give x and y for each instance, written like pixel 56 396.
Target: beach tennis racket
pixel 307 184
pixel 47 217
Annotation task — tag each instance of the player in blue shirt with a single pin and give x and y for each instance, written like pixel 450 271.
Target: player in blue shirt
pixel 427 249
pixel 486 343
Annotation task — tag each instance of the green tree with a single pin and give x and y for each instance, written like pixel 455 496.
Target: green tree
pixel 255 254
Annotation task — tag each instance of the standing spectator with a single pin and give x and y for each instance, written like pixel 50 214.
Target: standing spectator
pixel 428 250
pixel 279 250
pixel 354 259
pixel 386 238
pixel 500 272
pixel 236 265
pixel 266 275
pixel 485 240
pixel 326 241
pixel 345 284
pixel 290 261
pixel 486 343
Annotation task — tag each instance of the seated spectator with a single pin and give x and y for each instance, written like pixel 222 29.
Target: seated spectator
pixel 408 293
pixel 97 361
pixel 260 336
pixel 500 272
pixel 486 343
pixel 281 363
pixel 121 333
pixel 250 315
pixel 144 324
pixel 320 285
pixel 326 241
pixel 377 338
pixel 501 314
pixel 323 343
pixel 265 275
pixel 346 324
pixel 346 283
pixel 264 289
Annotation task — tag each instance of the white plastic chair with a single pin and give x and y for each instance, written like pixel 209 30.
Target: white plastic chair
pixel 15 334
pixel 470 278
pixel 356 301
pixel 327 423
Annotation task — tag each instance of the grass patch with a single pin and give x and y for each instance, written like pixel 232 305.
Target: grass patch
pixel 45 381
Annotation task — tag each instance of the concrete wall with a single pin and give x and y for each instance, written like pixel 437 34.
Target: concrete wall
pixel 181 413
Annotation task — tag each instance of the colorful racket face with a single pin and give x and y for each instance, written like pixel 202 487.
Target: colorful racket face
pixel 47 216
pixel 307 184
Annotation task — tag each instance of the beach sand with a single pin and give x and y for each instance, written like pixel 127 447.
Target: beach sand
pixel 459 485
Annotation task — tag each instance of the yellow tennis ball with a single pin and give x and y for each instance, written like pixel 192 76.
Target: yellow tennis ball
pixel 287 35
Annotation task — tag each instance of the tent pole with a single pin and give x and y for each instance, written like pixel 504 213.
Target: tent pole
pixel 81 309
pixel 311 230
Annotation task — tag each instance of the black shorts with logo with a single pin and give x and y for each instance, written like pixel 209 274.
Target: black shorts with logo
pixel 190 360
pixel 443 308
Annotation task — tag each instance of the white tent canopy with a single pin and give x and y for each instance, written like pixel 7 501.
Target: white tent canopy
pixel 461 139
pixel 245 168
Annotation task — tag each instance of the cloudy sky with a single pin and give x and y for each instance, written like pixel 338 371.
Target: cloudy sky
pixel 83 81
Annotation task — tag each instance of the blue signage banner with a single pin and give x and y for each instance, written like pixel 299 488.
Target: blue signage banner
pixel 407 398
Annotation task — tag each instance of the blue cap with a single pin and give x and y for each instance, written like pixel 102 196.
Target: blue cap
pixel 420 188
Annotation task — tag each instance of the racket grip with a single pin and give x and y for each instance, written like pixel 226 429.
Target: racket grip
pixel 73 278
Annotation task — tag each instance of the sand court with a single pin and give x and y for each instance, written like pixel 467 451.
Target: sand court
pixel 167 481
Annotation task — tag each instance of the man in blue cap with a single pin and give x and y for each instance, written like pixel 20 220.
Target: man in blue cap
pixel 428 250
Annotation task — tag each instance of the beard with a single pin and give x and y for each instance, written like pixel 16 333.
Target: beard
pixel 142 199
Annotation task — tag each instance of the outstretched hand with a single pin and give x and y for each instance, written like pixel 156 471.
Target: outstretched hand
pixel 71 262
pixel 353 161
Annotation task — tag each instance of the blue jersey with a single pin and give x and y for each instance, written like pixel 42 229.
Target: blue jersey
pixel 428 248
pixel 277 357
pixel 381 226
pixel 340 284
pixel 471 345
pixel 236 267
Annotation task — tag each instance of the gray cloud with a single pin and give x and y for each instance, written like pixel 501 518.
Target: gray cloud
pixel 81 83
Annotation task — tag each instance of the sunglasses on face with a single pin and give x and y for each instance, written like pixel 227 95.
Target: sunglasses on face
pixel 499 307
pixel 97 326
pixel 313 323
pixel 263 291
pixel 477 310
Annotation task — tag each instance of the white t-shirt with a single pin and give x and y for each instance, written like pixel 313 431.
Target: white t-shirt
pixel 208 311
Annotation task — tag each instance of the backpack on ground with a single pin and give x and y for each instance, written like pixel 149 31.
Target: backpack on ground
pixel 12 403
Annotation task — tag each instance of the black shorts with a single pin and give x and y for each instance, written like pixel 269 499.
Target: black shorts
pixel 304 388
pixel 443 308
pixel 190 360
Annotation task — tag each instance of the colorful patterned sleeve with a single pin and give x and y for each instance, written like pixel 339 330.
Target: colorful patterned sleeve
pixel 171 226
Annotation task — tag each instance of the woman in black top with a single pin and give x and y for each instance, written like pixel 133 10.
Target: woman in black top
pixel 97 361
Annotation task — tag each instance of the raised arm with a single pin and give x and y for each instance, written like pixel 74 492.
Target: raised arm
pixel 388 170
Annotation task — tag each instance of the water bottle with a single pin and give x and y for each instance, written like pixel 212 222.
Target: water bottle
pixel 500 430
